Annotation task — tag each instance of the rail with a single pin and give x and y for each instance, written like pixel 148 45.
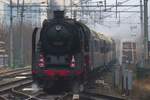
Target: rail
pixel 12 73
pixel 96 96
pixel 10 85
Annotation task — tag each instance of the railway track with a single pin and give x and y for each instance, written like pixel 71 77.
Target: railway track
pixel 96 96
pixel 8 70
pixel 12 91
pixel 3 98
pixel 9 81
pixel 9 85
pixel 4 69
pixel 12 73
pixel 9 90
pixel 40 95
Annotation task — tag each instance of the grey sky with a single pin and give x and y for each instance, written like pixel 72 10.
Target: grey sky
pixel 130 22
pixel 110 25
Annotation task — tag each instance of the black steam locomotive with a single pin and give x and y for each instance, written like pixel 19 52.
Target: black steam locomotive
pixel 66 51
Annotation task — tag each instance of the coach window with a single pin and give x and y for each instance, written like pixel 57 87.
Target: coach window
pixel 102 46
pixel 95 45
pixel 105 46
pixel 108 47
pixel 111 46
pixel 99 45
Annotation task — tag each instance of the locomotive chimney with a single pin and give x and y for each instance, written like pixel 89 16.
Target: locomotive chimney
pixel 59 14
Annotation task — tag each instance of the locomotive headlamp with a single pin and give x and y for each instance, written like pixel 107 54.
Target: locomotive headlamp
pixel 58 27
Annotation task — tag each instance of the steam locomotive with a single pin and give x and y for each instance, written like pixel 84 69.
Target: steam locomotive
pixel 66 51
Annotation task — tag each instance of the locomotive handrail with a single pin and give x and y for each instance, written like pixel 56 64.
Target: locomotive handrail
pixel 33 44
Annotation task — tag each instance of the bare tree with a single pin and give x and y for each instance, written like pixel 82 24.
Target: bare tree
pixel 27 33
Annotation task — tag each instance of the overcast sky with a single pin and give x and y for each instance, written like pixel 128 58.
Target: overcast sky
pixel 130 23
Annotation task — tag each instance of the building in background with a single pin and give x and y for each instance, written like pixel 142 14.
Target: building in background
pixel 3 55
pixel 149 49
pixel 128 52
